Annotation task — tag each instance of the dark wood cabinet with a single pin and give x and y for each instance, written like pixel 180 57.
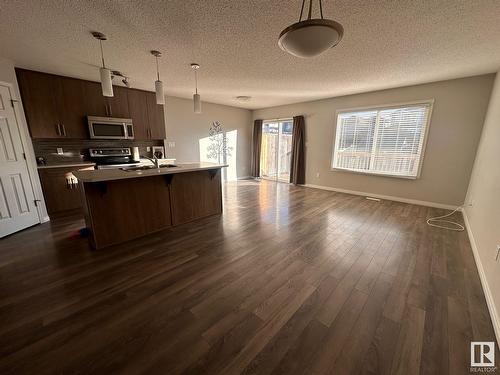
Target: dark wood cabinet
pixel 118 104
pixel 39 94
pixel 156 117
pixel 147 116
pixel 195 195
pixel 138 107
pixel 113 217
pixel 72 109
pixel 102 106
pixel 95 103
pixel 57 107
pixel 60 195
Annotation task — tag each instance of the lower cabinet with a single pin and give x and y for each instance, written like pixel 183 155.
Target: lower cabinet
pixel 60 189
pixel 195 195
pixel 121 210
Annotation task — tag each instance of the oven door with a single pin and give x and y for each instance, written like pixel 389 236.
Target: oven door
pixel 106 128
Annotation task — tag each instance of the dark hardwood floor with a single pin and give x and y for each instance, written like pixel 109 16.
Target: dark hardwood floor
pixel 289 280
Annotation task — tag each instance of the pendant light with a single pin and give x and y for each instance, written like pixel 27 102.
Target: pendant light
pixel 106 83
pixel 160 96
pixel 196 96
pixel 312 36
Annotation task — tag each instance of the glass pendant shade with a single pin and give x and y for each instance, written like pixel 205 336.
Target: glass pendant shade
pixel 106 83
pixel 311 37
pixel 160 96
pixel 197 103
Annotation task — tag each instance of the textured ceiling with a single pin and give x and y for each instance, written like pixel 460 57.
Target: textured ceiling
pixel 386 44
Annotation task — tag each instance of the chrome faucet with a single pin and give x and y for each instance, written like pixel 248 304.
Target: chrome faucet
pixel 153 160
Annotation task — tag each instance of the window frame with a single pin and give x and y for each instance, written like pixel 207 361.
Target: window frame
pixel 336 136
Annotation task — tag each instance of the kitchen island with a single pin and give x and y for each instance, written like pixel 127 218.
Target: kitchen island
pixel 120 205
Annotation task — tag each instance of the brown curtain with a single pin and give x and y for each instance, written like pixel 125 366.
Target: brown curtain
pixel 297 163
pixel 257 139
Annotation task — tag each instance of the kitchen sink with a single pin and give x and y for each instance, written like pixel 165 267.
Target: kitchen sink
pixel 139 168
pixel 146 167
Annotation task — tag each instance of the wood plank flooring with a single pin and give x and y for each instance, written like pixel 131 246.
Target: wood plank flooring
pixel 289 280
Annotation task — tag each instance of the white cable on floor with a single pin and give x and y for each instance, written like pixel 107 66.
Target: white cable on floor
pixel 439 219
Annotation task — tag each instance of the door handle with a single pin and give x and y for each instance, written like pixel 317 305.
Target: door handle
pixel 110 111
pixel 63 130
pixel 58 129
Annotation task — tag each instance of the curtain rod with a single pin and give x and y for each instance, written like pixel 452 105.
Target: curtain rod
pixel 278 119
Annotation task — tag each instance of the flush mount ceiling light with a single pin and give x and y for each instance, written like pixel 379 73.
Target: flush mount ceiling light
pixel 160 96
pixel 312 36
pixel 196 96
pixel 106 83
pixel 243 98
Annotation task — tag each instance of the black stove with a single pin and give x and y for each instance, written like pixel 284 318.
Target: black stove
pixel 112 157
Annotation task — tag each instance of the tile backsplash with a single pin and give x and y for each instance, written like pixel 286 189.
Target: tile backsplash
pixel 76 150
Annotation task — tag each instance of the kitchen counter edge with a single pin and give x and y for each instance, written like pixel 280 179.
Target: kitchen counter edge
pixel 100 175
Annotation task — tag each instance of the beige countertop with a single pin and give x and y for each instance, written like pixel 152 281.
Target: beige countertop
pixel 66 165
pixel 99 175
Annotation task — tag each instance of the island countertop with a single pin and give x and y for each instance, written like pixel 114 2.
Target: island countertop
pixel 99 175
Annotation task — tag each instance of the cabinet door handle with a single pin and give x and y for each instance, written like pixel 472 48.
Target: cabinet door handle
pixel 63 130
pixel 110 111
pixel 58 129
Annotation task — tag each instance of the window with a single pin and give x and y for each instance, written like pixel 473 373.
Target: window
pixel 385 141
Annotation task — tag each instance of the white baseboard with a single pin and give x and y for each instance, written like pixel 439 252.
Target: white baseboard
pixel 244 178
pixel 386 197
pixel 495 319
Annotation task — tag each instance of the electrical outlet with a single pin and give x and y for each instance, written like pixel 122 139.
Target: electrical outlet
pixel 171 144
pixel 317 174
pixel 148 149
pixel 59 151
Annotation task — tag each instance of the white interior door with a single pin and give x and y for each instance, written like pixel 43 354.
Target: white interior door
pixel 17 204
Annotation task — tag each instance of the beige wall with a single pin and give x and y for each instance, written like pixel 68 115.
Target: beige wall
pixel 457 119
pixel 483 206
pixel 186 128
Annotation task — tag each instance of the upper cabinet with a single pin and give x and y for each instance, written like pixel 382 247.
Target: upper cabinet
pixel 57 107
pixel 72 109
pixel 156 117
pixel 99 105
pixel 118 104
pixel 39 94
pixel 147 116
pixel 138 107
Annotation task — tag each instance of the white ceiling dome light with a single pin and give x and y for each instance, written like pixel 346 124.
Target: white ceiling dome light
pixel 312 36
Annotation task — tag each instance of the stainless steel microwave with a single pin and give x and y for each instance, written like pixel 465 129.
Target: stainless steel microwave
pixel 110 128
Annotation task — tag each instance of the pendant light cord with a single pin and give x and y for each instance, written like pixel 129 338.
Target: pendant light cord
pixel 196 80
pixel 320 9
pixel 102 54
pixel 157 69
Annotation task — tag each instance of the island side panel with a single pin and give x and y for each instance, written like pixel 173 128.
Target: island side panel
pixel 195 195
pixel 121 210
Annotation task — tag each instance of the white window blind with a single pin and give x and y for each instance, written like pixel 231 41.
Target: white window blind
pixel 386 141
